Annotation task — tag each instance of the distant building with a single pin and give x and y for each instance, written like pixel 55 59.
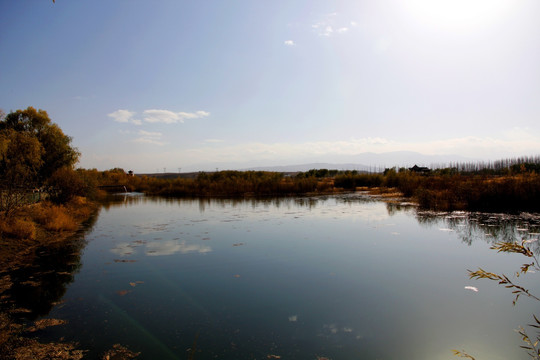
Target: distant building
pixel 420 169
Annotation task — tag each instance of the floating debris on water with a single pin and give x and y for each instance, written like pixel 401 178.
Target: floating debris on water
pixel 293 318
pixel 45 323
pixel 120 352
pixel 471 288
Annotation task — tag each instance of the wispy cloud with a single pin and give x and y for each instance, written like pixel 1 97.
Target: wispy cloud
pixel 122 116
pixel 487 148
pixel 332 24
pixel 156 116
pixel 170 117
pixel 149 137
pixel 289 43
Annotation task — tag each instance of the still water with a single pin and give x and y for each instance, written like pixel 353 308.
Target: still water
pixel 337 277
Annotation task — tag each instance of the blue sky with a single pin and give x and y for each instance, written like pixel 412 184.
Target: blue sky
pixel 147 85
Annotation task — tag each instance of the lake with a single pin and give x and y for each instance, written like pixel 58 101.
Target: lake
pixel 330 277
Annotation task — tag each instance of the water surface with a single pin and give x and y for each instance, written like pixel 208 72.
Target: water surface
pixel 341 277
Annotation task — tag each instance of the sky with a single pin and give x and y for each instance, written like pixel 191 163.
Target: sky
pixel 166 85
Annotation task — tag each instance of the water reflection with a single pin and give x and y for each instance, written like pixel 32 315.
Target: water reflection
pixel 295 277
pixel 487 227
pixel 491 228
pixel 35 278
pixel 160 248
pixel 310 202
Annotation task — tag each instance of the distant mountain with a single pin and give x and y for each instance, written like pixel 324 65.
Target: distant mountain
pixel 372 162
pixel 307 167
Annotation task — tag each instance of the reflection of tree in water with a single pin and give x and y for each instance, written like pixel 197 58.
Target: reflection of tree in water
pixel 36 281
pixel 310 202
pixel 491 228
pixel 394 208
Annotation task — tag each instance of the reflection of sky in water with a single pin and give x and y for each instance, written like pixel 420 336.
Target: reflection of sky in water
pixel 337 277
pixel 159 248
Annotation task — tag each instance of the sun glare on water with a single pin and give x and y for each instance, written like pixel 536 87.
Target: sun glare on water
pixel 458 14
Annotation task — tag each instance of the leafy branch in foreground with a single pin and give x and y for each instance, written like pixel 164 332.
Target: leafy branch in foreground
pixel 462 354
pixel 503 279
pixel 531 346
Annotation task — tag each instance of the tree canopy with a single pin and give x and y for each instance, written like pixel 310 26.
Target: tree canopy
pixel 32 149
pixel 57 149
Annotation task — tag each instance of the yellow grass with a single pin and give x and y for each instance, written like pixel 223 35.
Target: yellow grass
pixel 54 217
pixel 18 228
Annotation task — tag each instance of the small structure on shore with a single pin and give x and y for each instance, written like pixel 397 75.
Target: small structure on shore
pixel 420 169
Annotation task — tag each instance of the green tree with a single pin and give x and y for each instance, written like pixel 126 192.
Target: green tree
pixel 57 149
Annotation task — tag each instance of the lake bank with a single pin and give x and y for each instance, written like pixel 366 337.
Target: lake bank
pixel 40 251
pixel 436 190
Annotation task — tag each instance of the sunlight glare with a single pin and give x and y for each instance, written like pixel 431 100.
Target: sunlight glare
pixel 457 14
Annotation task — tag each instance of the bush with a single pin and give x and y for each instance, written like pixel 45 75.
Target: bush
pixel 18 228
pixel 66 183
pixel 54 217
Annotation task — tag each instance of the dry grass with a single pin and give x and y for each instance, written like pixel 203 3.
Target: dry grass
pixel 36 221
pixel 18 228
pixel 54 217
pixel 60 218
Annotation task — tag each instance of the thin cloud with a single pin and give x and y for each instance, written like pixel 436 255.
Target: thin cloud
pixel 286 152
pixel 156 116
pixel 122 116
pixel 150 133
pixel 149 137
pixel 170 117
pixel 289 43
pixel 331 25
pixel 150 141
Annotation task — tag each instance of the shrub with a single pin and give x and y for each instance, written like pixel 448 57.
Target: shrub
pixel 18 228
pixel 66 183
pixel 54 217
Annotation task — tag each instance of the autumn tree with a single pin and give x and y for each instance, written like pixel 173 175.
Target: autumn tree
pixel 20 161
pixel 32 148
pixel 57 149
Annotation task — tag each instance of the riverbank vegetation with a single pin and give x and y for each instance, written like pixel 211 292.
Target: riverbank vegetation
pixel 505 186
pixel 42 207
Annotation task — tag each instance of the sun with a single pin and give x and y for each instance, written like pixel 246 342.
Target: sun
pixel 457 14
